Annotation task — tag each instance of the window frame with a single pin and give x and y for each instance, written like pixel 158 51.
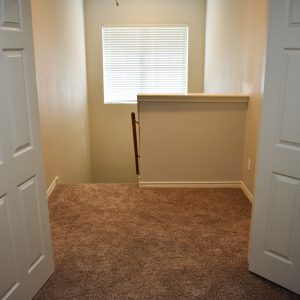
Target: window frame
pixel 134 101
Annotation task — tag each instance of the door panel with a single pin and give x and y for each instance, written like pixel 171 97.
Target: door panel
pixel 283 199
pixel 7 260
pixel 274 251
pixel 10 13
pixel 294 13
pixel 290 125
pixel 28 197
pixel 18 101
pixel 1 154
pixel 26 260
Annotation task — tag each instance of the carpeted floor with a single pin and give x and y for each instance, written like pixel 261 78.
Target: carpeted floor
pixel 115 241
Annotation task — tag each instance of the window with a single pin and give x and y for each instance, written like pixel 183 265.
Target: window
pixel 145 59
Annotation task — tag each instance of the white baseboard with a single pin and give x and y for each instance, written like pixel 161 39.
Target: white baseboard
pixel 198 184
pixel 192 184
pixel 246 192
pixel 52 186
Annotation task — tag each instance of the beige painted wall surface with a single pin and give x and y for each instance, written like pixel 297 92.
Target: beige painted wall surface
pixel 234 62
pixel 194 142
pixel 111 137
pixel 62 88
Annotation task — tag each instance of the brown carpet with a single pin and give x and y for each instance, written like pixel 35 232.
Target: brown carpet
pixel 114 241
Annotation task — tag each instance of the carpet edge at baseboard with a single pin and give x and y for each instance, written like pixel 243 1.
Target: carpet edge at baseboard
pixel 52 186
pixel 198 184
pixel 191 184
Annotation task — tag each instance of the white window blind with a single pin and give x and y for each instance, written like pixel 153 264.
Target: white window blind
pixel 146 59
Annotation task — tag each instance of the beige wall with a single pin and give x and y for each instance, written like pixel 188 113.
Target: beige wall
pixel 190 140
pixel 111 138
pixel 234 62
pixel 61 75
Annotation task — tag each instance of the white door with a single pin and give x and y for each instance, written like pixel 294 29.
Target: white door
pixel 25 246
pixel 274 251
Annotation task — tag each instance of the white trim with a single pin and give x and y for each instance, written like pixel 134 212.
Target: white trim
pixel 246 192
pixel 194 97
pixel 146 25
pixel 198 184
pixel 191 184
pixel 52 186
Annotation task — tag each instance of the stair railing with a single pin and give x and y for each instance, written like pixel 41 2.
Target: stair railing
pixel 134 123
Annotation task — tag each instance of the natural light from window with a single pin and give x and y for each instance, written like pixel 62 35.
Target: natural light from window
pixel 144 59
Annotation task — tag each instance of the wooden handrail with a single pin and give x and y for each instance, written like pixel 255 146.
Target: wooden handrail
pixel 135 143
